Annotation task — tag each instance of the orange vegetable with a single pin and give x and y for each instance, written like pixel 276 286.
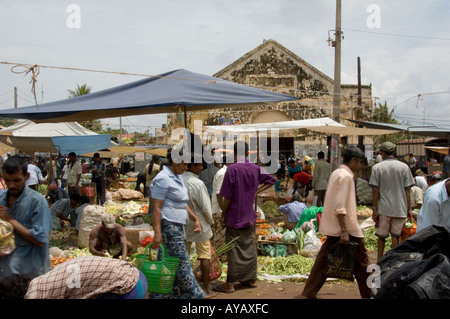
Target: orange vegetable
pixel 58 260
pixel 144 209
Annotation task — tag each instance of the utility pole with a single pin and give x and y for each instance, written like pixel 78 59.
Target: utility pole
pixel 337 82
pixel 359 113
pixel 15 97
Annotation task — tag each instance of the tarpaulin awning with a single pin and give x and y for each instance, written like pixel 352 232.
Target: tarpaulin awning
pixel 66 137
pixel 283 125
pixel 164 93
pixel 438 149
pixel 322 125
pixel 433 131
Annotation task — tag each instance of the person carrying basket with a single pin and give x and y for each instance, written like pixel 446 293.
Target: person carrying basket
pixel 171 214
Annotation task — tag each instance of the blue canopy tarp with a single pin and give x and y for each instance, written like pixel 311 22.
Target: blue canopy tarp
pixel 64 137
pixel 79 144
pixel 164 93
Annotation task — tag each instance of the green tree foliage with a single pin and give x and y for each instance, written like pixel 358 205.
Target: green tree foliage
pixel 93 125
pixel 382 114
pixel 80 90
pixel 4 121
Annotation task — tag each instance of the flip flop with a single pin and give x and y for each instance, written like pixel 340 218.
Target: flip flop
pixel 220 288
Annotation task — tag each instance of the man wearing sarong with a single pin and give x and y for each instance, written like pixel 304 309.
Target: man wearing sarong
pixel 242 182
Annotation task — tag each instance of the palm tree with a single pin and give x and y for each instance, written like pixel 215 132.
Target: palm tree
pixel 93 125
pixel 80 90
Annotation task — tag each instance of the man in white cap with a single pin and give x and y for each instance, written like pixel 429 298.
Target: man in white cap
pixel 391 181
pixel 109 239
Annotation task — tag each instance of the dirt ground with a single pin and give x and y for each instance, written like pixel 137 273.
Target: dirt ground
pixel 291 290
pixel 333 289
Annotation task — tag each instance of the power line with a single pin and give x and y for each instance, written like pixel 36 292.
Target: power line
pixel 398 35
pixel 325 94
pixel 9 92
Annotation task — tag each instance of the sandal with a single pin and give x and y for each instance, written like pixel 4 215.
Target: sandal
pixel 221 288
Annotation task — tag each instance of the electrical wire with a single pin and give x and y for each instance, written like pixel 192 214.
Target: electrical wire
pixel 398 35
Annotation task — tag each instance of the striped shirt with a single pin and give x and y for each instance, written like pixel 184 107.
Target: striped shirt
pixel 85 277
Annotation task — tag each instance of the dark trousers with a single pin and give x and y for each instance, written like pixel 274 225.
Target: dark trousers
pixel 320 197
pixel 318 277
pixel 101 189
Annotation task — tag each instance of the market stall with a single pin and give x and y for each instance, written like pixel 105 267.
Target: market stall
pixel 63 138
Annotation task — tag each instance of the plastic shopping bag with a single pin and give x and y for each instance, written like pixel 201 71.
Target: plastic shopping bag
pixel 341 260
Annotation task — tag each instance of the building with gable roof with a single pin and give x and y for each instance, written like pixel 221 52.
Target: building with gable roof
pixel 273 67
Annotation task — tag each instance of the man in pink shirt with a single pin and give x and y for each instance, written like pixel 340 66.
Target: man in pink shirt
pixel 339 222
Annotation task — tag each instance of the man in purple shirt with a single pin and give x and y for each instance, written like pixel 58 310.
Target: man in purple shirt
pixel 240 186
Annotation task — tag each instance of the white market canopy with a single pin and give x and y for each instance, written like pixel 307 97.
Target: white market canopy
pixel 322 125
pixel 62 137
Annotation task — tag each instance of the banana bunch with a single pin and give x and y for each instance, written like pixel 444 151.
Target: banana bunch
pixel 7 243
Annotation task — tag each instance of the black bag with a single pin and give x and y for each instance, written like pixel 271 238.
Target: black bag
pixel 341 260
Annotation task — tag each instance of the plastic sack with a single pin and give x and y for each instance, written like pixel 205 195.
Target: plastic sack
pixel 341 260
pixel 310 197
pixel 88 191
pixel 7 242
pixel 215 271
pixel 279 251
pixel 289 194
pixel 311 244
pixel 288 237
pixel 308 226
pixel 409 229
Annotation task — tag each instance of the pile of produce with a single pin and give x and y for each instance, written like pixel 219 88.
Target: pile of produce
pixel 371 240
pixel 363 191
pixel 264 229
pixel 63 233
pixel 144 209
pixel 128 208
pixel 270 209
pixel 288 265
pixel 114 209
pixel 58 260
pixel 131 208
pixel 71 252
pixel 146 241
pixel 364 211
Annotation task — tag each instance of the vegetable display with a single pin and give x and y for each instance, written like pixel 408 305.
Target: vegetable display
pixel 364 211
pixel 58 260
pixel 270 209
pixel 144 209
pixel 146 241
pixel 64 233
pixel 288 265
pixel 371 240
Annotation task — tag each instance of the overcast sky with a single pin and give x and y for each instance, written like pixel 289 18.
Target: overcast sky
pixel 404 46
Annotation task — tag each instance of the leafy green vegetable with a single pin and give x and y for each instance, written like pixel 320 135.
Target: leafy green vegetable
pixel 288 265
pixel 270 209
pixel 371 240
